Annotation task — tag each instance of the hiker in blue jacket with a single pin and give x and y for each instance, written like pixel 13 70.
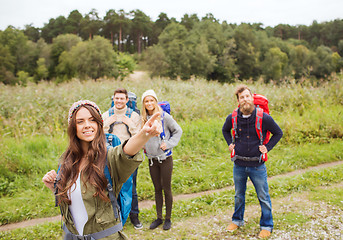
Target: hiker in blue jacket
pixel 86 200
pixel 158 150
pixel 247 149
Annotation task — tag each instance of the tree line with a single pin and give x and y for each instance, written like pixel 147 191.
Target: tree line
pixel 87 46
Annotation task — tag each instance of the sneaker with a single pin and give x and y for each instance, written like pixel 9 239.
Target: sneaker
pixel 156 223
pixel 232 227
pixel 167 224
pixel 135 221
pixel 264 234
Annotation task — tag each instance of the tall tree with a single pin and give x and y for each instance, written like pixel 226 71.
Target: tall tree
pixel 54 28
pixel 210 17
pixel 74 22
pixel 323 64
pixel 43 50
pixel 247 52
pixel 172 40
pixel 299 60
pixel 111 25
pixel 91 24
pixel 17 44
pixel 60 44
pixel 226 68
pixel 189 20
pixel 274 64
pixel 7 65
pixel 141 26
pixel 124 27
pixel 160 24
pixel 32 33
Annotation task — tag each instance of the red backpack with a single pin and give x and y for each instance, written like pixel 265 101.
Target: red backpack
pixel 261 103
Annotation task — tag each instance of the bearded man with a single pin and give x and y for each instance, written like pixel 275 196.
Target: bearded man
pixel 247 161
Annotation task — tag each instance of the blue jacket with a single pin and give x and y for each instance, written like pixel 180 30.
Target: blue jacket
pixel 247 142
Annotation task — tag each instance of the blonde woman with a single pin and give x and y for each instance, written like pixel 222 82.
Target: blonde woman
pixel 159 152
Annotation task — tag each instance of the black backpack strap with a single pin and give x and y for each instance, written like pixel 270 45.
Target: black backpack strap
pixel 116 123
pixel 112 196
pixel 58 178
pixel 111 128
pixel 128 113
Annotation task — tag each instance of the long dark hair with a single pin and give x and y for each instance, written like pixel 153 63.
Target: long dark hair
pixel 71 158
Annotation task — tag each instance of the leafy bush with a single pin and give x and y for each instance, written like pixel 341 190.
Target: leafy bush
pixel 125 64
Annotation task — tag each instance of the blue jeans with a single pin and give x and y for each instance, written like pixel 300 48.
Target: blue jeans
pixel 134 204
pixel 258 176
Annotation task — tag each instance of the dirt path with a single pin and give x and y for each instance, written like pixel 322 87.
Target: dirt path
pixel 150 203
pixel 137 75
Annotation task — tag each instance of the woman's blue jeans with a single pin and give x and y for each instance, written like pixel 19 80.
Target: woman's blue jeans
pixel 258 176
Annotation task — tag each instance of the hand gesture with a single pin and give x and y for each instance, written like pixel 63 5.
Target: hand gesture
pixel 49 179
pixel 150 129
pixel 153 127
pixel 231 147
pixel 263 149
pixel 163 146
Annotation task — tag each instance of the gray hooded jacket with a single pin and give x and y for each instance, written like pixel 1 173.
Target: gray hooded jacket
pixel 173 134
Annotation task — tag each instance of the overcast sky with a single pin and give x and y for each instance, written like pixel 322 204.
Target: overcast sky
pixel 19 13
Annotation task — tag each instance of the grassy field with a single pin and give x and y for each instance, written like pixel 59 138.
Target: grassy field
pixel 307 206
pixel 33 136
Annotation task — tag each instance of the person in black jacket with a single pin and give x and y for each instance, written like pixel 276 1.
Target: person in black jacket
pixel 247 161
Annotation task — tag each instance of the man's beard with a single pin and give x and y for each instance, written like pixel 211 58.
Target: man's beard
pixel 247 108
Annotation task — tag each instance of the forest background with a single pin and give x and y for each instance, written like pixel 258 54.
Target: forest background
pixel 90 47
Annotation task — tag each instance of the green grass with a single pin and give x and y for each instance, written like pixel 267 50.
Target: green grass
pixel 43 231
pixel 293 218
pixel 328 195
pixel 310 182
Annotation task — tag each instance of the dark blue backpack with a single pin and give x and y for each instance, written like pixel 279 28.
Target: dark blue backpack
pixel 165 105
pixel 112 140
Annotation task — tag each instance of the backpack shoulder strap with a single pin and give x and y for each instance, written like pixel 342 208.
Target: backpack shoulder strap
pixel 58 178
pixel 168 152
pixel 234 124
pixel 111 191
pixel 258 123
pixel 110 111
pixel 108 175
pixel 163 134
pixel 129 112
pixel 258 126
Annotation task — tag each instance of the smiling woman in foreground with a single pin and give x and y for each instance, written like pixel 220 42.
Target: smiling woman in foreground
pixel 87 203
